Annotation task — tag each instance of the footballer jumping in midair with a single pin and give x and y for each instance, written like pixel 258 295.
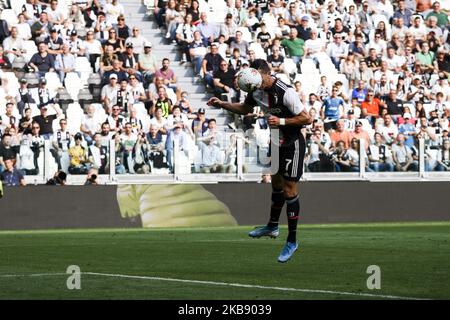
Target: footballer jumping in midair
pixel 285 112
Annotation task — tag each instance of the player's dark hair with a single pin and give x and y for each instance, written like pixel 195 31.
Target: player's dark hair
pixel 260 65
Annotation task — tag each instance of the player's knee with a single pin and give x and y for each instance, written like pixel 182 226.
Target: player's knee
pixel 290 190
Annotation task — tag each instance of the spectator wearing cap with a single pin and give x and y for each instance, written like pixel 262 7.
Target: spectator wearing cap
pixel 137 40
pixel 109 92
pixel 210 64
pixel 42 62
pixel 442 17
pixel 359 133
pixel 45 96
pixel 78 156
pixel 11 176
pixel 147 64
pixel 41 28
pixel 197 51
pixel 408 129
pixel 65 62
pixel 76 45
pixel 228 28
pixel 130 62
pixel 224 84
pixel 45 120
pixel 206 29
pixel 200 124
pixel 101 27
pixel 54 42
pixel 303 30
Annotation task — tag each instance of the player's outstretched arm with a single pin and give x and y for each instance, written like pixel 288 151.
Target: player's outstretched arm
pixel 303 118
pixel 239 108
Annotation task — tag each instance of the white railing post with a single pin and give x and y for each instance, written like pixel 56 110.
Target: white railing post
pixel 240 157
pixel 176 158
pixel 362 158
pixel 47 174
pixel 112 161
pixel 421 157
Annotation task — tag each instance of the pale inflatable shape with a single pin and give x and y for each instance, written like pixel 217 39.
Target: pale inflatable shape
pixel 176 205
pixel 249 79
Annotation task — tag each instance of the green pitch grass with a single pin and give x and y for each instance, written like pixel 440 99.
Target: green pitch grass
pixel 414 259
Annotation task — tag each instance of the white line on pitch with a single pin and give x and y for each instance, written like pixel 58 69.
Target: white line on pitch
pixel 240 285
pixel 227 284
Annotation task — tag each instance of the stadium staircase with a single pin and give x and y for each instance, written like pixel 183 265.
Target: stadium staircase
pixel 136 14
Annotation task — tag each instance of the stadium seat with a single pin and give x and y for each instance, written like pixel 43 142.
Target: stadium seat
pixel 9 16
pixel 30 48
pixel 73 84
pixel 16 6
pixel 74 115
pixel 259 51
pixel 53 82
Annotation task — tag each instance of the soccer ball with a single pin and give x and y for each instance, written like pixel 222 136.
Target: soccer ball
pixel 249 79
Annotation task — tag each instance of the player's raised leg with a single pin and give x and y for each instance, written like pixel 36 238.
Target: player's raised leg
pixel 271 229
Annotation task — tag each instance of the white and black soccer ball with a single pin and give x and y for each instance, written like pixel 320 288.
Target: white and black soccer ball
pixel 249 79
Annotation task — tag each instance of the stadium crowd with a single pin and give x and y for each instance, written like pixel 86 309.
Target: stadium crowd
pixel 384 67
